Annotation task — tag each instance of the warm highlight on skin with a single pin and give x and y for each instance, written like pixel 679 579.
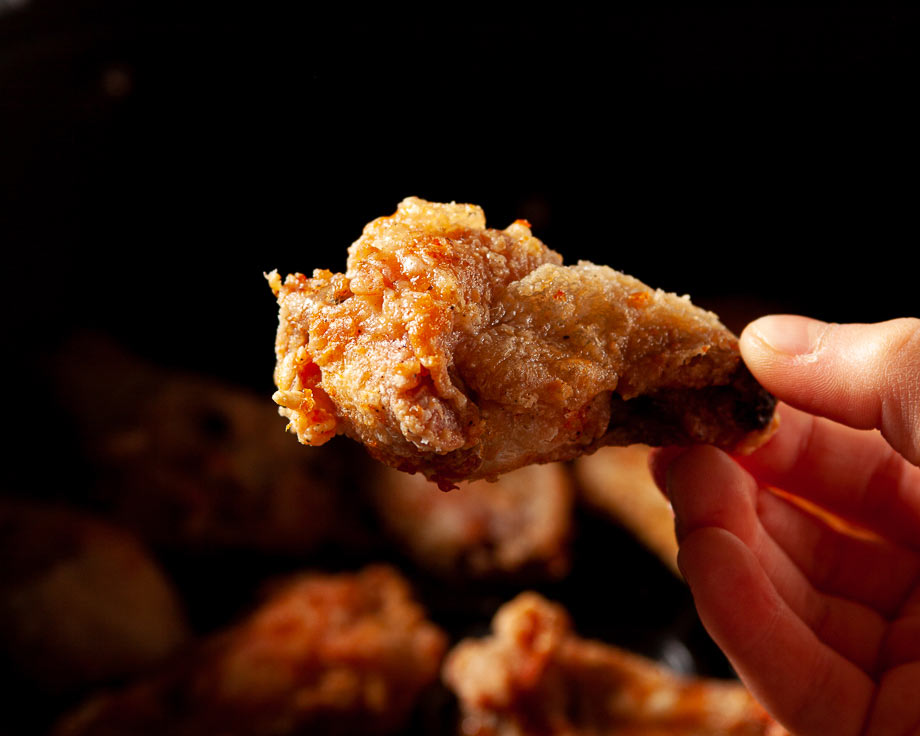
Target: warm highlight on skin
pixel 830 637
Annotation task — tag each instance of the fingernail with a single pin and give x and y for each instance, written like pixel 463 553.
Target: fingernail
pixel 790 335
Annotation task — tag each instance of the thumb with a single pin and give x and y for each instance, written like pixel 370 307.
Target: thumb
pixel 864 375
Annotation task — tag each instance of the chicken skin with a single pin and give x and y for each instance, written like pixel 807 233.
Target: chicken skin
pixel 533 675
pixel 463 352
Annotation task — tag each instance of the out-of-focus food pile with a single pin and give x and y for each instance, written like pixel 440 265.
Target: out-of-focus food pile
pixel 207 574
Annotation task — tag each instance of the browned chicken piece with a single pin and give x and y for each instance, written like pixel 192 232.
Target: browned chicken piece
pixel 519 525
pixel 82 603
pixel 617 482
pixel 464 352
pixel 533 675
pixel 329 654
pixel 192 463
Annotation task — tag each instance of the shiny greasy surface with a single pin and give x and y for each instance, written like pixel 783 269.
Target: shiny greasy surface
pixel 462 351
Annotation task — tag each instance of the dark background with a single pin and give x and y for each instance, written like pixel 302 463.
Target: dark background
pixel 157 158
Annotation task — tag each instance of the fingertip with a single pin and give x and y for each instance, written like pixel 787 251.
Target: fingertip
pixel 862 375
pixel 756 350
pixel 785 335
pixel 701 467
pixel 708 488
pixel 659 461
pixel 777 348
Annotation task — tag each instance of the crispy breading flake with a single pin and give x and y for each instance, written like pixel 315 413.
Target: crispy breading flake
pixel 464 352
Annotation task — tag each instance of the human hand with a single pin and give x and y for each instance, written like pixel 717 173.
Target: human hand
pixel 820 619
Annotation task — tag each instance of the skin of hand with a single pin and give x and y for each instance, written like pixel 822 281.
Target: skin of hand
pixel 820 619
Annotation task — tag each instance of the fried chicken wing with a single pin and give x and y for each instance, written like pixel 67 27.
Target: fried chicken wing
pixel 331 654
pixel 519 525
pixel 464 352
pixel 533 675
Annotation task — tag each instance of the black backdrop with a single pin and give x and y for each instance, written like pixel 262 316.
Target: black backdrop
pixel 156 159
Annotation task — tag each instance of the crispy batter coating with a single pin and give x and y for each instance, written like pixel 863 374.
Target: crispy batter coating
pixel 519 525
pixel 464 352
pixel 330 654
pixel 618 482
pixel 534 676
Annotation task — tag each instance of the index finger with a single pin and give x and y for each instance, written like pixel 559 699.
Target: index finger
pixel 853 473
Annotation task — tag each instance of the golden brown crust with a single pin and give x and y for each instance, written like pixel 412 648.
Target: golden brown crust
pixel 534 676
pixel 464 352
pixel 332 654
